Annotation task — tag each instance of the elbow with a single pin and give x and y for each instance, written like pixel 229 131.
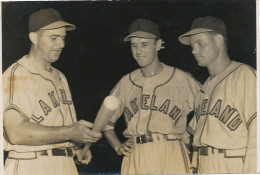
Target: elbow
pixel 16 138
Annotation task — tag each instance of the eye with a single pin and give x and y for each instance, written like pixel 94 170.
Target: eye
pixel 133 45
pixel 145 44
pixel 53 37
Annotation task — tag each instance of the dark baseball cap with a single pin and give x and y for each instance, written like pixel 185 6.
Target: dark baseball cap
pixel 143 28
pixel 202 25
pixel 47 19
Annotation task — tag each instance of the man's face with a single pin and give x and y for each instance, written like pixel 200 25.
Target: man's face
pixel 144 51
pixel 204 48
pixel 51 43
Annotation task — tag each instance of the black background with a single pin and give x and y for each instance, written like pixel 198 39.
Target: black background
pixel 95 56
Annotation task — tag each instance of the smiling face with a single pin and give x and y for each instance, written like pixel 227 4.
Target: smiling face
pixel 145 51
pixel 50 44
pixel 204 48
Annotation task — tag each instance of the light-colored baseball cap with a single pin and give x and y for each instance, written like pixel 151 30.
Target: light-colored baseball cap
pixel 202 25
pixel 47 19
pixel 143 28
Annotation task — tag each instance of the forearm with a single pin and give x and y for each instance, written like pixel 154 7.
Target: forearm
pixel 35 134
pixel 22 132
pixel 112 139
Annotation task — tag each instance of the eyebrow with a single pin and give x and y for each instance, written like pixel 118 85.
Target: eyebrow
pixel 58 35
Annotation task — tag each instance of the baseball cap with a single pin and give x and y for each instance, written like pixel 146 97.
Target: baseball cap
pixel 202 25
pixel 48 19
pixel 143 28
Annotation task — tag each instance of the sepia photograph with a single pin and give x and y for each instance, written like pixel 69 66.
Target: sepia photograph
pixel 129 87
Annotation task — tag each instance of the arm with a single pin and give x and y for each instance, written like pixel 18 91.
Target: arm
pixel 22 132
pixel 121 149
pixel 250 163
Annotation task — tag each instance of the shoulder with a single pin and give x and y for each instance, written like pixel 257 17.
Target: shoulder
pixel 185 76
pixel 16 70
pixel 243 70
pixel 60 74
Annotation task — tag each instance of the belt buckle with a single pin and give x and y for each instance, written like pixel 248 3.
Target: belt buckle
pixel 144 139
pixel 141 139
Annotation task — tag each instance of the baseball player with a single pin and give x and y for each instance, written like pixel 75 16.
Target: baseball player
pixel 224 125
pixel 40 126
pixel 155 101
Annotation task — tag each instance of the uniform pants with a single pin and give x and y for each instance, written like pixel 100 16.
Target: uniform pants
pixel 218 163
pixel 43 165
pixel 157 157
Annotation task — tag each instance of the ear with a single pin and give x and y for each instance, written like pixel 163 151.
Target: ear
pixel 219 40
pixel 33 37
pixel 159 44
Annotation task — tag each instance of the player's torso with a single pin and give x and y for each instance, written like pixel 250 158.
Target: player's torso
pixel 54 107
pixel 42 96
pixel 154 104
pixel 219 113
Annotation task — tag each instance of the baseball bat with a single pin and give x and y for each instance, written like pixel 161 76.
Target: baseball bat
pixel 108 107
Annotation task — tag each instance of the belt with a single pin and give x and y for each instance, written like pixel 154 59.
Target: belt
pixel 228 153
pixel 204 151
pixel 67 152
pixel 155 136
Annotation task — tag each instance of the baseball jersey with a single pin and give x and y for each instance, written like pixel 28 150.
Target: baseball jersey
pixel 225 108
pixel 158 104
pixel 40 97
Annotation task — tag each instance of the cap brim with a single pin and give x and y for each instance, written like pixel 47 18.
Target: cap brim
pixel 185 38
pixel 140 34
pixel 59 24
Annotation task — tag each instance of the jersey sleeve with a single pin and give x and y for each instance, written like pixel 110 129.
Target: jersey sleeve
pixel 191 127
pixel 246 91
pixel 19 91
pixel 245 87
pixel 117 92
pixel 192 89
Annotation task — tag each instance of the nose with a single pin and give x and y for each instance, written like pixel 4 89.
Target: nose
pixel 138 50
pixel 194 50
pixel 60 42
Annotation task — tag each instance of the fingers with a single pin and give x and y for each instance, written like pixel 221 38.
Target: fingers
pixel 129 144
pixel 87 124
pixel 126 148
pixel 95 134
pixel 83 159
pixel 81 132
pixel 92 136
pixel 87 157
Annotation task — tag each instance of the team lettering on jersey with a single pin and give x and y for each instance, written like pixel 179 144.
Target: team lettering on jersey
pixel 227 115
pixel 163 107
pixel 46 108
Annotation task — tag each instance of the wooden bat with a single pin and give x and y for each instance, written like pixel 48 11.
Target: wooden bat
pixel 108 107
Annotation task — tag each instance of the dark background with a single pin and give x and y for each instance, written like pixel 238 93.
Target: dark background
pixel 95 56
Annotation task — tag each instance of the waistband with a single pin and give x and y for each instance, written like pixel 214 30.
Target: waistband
pixel 152 137
pixel 66 152
pixel 228 153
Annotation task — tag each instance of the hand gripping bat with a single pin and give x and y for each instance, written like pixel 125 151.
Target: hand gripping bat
pixel 108 107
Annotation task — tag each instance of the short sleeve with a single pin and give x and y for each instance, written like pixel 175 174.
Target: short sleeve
pixel 192 89
pixel 246 92
pixel 19 91
pixel 116 91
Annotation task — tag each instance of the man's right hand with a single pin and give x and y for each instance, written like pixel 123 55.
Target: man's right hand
pixel 81 132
